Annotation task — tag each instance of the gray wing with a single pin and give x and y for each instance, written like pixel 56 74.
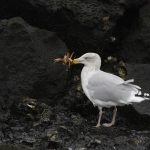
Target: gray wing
pixel 108 87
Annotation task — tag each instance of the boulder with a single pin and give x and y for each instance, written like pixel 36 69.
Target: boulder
pixel 136 44
pixel 26 63
pixel 83 25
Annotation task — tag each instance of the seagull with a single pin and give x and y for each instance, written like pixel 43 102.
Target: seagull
pixel 105 89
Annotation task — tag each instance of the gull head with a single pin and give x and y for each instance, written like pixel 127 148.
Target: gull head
pixel 89 59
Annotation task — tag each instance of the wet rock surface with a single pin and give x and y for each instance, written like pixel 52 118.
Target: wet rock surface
pixel 65 129
pixel 13 147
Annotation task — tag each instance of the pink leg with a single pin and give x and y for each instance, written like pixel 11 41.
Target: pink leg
pixel 99 118
pixel 113 119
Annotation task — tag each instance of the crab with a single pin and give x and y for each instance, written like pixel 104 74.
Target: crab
pixel 66 60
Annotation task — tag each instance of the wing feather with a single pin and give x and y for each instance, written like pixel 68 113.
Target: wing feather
pixel 110 88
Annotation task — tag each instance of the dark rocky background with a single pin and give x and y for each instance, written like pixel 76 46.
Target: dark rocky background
pixel 42 103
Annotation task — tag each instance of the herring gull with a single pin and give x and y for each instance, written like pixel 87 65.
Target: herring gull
pixel 105 89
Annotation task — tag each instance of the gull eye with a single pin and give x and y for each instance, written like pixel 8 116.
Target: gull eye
pixel 86 57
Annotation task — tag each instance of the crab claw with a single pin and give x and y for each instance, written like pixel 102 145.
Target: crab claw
pixel 66 60
pixel 58 60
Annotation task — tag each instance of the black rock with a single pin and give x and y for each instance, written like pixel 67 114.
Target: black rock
pixel 26 63
pixel 141 72
pixel 136 43
pixel 83 25
pixel 14 147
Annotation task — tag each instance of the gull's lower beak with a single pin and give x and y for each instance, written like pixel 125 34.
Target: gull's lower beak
pixel 76 61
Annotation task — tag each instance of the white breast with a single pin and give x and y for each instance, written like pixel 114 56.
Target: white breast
pixel 86 73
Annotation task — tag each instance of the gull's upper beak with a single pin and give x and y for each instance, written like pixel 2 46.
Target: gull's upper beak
pixel 76 61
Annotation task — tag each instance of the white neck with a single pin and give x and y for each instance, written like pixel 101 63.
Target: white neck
pixel 87 71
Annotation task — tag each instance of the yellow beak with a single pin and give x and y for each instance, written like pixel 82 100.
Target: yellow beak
pixel 76 61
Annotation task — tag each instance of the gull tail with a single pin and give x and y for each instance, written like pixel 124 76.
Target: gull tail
pixel 136 95
pixel 139 98
pixel 142 96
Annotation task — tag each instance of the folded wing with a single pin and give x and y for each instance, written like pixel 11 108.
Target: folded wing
pixel 110 88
